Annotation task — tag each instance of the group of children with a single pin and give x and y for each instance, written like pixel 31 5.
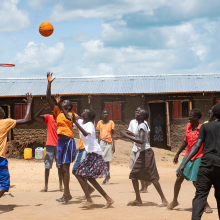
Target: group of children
pixel 93 157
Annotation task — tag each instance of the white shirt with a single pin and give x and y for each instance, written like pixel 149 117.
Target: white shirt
pixel 146 144
pixel 132 127
pixel 90 142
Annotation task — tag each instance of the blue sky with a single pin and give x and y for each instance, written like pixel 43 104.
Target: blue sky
pixel 105 38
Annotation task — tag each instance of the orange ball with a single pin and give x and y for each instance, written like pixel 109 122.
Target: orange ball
pixel 46 29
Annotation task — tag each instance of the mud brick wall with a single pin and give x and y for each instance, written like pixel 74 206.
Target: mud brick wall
pixel 204 103
pixel 177 132
pixel 36 129
pixel 131 103
pixel 178 126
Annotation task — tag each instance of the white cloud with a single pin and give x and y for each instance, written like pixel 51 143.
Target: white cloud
pixel 37 59
pixel 37 55
pixel 191 47
pixel 38 4
pixel 73 10
pixel 12 19
pixel 151 11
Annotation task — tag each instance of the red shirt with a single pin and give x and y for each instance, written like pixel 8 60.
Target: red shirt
pixel 52 136
pixel 191 138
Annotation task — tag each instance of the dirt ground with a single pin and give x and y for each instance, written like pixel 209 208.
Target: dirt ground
pixel 27 179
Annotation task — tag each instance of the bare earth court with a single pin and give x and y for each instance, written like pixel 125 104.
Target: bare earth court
pixel 27 179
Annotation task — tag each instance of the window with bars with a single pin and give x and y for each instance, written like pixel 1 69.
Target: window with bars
pixel 114 110
pixel 180 109
pixel 20 111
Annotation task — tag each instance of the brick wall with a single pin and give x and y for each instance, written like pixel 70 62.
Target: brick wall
pixel 36 129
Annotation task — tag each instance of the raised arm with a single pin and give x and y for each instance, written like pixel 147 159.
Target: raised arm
pixel 48 94
pixel 58 100
pixel 183 146
pixel 26 118
pixel 194 150
pixel 38 115
pixel 90 101
pixel 139 140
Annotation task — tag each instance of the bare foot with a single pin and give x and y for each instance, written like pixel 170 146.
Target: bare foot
pixel 87 204
pixel 61 189
pixel 172 205
pixel 135 203
pixel 108 204
pixel 208 209
pixel 44 190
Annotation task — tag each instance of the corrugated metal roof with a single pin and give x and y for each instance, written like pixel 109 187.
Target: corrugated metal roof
pixel 147 84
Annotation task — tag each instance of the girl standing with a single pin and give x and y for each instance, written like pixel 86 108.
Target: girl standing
pixel 145 165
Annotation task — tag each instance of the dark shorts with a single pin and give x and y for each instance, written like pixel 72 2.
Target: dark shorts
pixel 79 158
pixel 51 152
pixel 145 167
pixel 66 150
pixel 4 174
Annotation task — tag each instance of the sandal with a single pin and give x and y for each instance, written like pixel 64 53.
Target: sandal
pixel 162 205
pixel 61 199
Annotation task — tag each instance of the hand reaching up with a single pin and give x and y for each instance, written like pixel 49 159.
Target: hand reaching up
pixel 49 77
pixel 89 99
pixel 46 106
pixel 29 98
pixel 58 98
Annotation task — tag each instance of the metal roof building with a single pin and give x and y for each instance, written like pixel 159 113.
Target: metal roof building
pixel 148 84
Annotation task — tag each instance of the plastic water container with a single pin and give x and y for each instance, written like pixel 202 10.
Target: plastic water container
pixel 44 151
pixel 39 153
pixel 28 153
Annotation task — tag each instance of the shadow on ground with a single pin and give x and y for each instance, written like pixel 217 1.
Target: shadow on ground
pixel 9 208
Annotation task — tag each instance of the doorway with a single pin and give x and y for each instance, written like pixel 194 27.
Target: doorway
pixel 158 125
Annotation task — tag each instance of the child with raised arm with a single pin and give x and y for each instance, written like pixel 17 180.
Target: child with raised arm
pixel 93 166
pixel 51 146
pixel 145 165
pixel 106 140
pixel 5 126
pixel 66 146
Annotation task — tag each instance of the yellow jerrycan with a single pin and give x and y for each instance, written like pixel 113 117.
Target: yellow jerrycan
pixel 28 153
pixel 44 152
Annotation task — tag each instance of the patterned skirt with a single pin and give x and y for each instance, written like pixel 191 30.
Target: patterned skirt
pixel 93 166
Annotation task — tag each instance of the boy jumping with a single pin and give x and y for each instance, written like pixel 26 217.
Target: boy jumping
pixel 66 146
